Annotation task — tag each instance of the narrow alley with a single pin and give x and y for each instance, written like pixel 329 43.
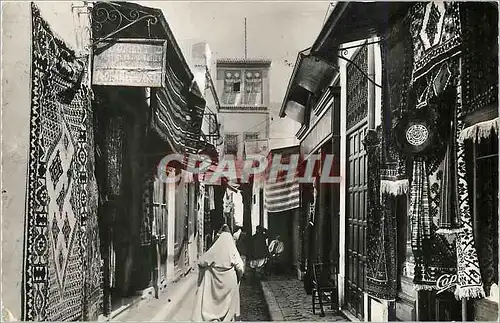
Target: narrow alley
pixel 285 298
pixel 253 304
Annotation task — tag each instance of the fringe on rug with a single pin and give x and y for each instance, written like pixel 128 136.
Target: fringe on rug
pixel 469 292
pixel 480 130
pixel 399 187
pixel 444 231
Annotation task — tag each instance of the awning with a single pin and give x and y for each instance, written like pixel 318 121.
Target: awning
pixel 309 76
pixel 282 194
pixel 178 106
pixel 352 21
pixel 349 21
pixel 177 115
pixel 302 100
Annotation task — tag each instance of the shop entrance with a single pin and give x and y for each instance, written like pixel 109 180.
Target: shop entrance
pixel 356 220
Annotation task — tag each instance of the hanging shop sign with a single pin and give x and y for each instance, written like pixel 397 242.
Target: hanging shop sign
pixel 130 62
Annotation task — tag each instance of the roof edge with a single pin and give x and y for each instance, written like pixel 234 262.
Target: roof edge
pixel 337 12
pixel 285 148
pixel 230 60
pixel 300 56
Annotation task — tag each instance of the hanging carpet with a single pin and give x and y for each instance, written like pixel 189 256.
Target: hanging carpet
pixel 381 269
pixel 480 55
pixel 61 265
pixel 437 35
pixel 434 254
pixel 387 176
pixel 437 44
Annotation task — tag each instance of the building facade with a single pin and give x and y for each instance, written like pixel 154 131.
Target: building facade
pixel 243 89
pixel 97 221
pixel 200 59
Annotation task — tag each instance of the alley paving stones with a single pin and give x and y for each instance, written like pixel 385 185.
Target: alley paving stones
pixel 253 305
pixel 293 301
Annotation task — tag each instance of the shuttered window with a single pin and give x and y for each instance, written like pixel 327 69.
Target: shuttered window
pixel 231 144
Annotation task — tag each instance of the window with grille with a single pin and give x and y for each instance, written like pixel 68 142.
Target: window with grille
pixel 181 221
pixel 160 208
pixel 212 124
pixel 231 144
pixel 242 87
pixel 253 87
pixel 232 87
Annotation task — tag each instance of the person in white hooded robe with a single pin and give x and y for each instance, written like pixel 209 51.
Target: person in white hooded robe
pixel 218 294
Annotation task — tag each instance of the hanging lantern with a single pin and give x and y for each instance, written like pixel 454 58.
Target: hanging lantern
pixel 313 73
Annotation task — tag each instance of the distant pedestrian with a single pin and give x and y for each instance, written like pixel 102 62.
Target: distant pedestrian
pixel 221 268
pixel 276 248
pixel 241 244
pixel 260 252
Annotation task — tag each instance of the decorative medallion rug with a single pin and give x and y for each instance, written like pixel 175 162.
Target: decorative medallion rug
pixel 437 85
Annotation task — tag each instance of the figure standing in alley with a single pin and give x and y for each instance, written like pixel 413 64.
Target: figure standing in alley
pixel 221 269
pixel 241 243
pixel 276 248
pixel 260 252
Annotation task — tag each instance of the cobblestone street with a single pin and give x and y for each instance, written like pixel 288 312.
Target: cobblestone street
pixel 253 305
pixel 294 303
pixel 286 295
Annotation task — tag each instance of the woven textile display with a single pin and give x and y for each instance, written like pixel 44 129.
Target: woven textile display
pixel 439 193
pixel 386 166
pixel 91 241
pixel 381 269
pixel 397 55
pixel 486 206
pixel 480 67
pixel 146 224
pixel 61 272
pixel 433 253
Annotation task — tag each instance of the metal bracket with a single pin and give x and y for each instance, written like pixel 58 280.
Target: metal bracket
pixel 125 27
pixel 345 50
pixel 116 18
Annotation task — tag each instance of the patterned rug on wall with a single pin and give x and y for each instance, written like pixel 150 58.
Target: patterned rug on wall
pixel 387 176
pixel 61 265
pixel 381 272
pixel 438 46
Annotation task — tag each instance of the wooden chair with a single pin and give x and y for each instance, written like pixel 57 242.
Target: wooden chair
pixel 325 287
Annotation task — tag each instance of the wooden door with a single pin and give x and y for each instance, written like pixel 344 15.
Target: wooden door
pixel 181 227
pixel 356 220
pixel 160 208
